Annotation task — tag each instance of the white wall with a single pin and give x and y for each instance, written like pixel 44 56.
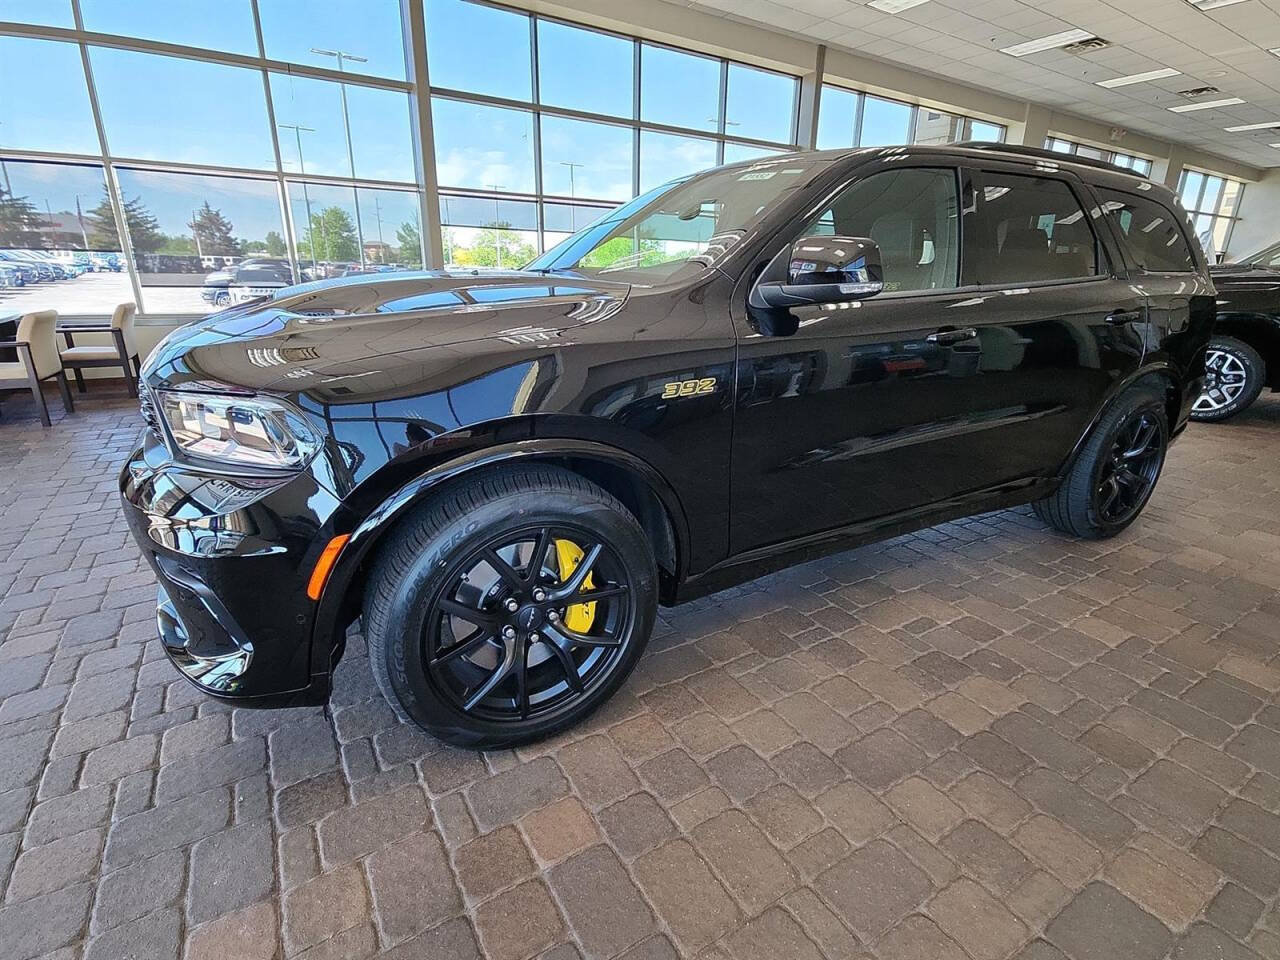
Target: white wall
pixel 1259 223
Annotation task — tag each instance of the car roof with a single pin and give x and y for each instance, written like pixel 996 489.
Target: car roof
pixel 972 151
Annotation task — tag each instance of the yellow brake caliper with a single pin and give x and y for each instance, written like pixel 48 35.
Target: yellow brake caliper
pixel 580 616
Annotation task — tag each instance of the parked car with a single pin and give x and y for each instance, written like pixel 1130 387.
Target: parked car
pixel 503 473
pixel 1244 354
pixel 11 276
pixel 107 261
pixel 27 271
pixel 250 279
pixel 44 271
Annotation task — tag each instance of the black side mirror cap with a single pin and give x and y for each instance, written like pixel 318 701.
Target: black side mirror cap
pixel 818 270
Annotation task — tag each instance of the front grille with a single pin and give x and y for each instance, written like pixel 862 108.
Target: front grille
pixel 147 406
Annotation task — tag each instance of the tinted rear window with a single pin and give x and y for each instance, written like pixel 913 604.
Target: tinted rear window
pixel 1027 230
pixel 1150 230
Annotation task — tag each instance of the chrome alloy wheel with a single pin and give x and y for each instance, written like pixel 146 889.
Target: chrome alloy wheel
pixel 1224 380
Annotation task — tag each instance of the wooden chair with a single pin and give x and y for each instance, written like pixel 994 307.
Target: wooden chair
pixel 122 353
pixel 37 346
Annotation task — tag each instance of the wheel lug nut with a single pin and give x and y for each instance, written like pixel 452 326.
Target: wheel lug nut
pixel 533 636
pixel 553 616
pixel 509 632
pixel 513 605
pixel 539 595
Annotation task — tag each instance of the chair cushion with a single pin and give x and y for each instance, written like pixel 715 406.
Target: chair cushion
pixel 13 372
pixel 89 353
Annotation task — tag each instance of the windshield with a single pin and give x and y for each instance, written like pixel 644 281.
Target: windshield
pixel 677 230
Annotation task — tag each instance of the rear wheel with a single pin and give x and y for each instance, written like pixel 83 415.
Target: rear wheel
pixel 1234 375
pixel 511 608
pixel 1115 473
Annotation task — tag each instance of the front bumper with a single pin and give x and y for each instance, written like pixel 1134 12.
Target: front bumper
pixel 232 556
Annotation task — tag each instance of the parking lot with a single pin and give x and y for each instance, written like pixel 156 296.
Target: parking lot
pixel 89 293
pixel 981 741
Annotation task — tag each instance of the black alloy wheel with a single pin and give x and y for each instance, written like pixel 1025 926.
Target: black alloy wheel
pixel 528 625
pixel 1129 474
pixel 1113 475
pixel 509 606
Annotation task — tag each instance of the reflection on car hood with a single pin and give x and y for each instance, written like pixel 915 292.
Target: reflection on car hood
pixel 332 328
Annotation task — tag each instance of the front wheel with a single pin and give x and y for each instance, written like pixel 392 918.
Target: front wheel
pixel 1234 375
pixel 1115 472
pixel 511 607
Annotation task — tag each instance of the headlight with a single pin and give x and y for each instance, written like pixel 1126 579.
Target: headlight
pixel 253 431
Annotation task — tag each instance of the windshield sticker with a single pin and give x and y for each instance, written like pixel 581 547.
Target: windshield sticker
pixel 758 175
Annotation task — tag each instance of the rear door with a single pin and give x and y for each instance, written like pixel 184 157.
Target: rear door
pixel 1063 322
pixel 1165 268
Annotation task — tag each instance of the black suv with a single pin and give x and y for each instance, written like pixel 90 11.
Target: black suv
pixel 1244 354
pixel 505 472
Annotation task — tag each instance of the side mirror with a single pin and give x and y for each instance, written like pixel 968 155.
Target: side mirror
pixel 817 270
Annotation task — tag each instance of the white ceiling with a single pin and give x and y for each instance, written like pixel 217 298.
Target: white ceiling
pixel 961 40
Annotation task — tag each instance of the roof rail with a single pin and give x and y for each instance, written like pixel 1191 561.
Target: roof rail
pixel 1040 153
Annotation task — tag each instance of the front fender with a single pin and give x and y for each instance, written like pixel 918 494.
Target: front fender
pixel 334 605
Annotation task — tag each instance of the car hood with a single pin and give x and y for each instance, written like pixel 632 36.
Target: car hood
pixel 334 328
pixel 1244 271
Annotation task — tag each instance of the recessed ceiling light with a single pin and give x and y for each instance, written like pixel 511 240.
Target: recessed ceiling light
pixel 1047 43
pixel 894 6
pixel 1212 4
pixel 1276 145
pixel 1205 105
pixel 1140 77
pixel 1274 51
pixel 1240 128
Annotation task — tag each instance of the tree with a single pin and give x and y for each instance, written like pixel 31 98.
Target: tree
pixel 144 229
pixel 496 246
pixel 410 241
pixel 274 244
pixel 212 231
pixel 332 236
pixel 19 222
pixel 177 245
pixel 253 246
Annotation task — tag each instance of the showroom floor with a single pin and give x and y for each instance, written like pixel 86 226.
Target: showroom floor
pixel 963 743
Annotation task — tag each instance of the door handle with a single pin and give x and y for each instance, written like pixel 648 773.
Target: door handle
pixel 952 336
pixel 1121 317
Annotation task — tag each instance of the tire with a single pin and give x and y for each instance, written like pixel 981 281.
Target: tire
pixel 509 678
pixel 1099 496
pixel 1235 374
pixel 221 299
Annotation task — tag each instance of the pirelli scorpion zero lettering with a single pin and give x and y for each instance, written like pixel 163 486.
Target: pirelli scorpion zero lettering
pixel 497 476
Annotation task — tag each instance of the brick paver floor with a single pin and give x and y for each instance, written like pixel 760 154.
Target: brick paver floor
pixel 981 741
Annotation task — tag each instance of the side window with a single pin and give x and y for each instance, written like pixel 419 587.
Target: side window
pixel 912 215
pixel 1027 229
pixel 1150 230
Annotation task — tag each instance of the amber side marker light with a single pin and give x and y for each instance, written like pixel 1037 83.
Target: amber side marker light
pixel 328 557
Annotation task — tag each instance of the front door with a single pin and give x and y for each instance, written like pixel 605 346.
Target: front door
pixel 949 384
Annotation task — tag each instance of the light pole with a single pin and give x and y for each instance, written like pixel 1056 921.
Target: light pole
pixel 573 213
pixel 302 171
pixel 446 234
pixel 341 56
pixel 195 232
pixel 497 220
pixel 5 170
pixel 84 235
